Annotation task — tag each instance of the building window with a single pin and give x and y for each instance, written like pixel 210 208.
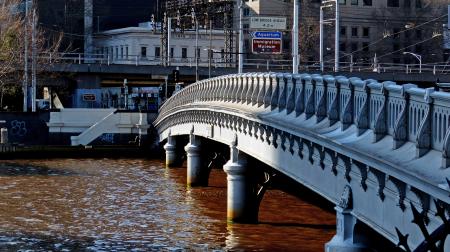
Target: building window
pixel 143 51
pixel 367 2
pixel 126 52
pixel 198 53
pixel 396 47
pixel 354 46
pixel 418 48
pixel 407 4
pixel 342 46
pixel 157 52
pixel 354 2
pixel 171 52
pixel 393 3
pixel 366 32
pixel 354 31
pixel 184 53
pixel 365 47
pixel 418 4
pixel 117 52
pixel 343 31
pixel 121 52
pixel 343 2
pixel 396 33
pixel 418 34
pixel 407 34
pixel 246 12
pixel 222 53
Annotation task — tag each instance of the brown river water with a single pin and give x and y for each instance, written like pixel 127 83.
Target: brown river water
pixel 138 205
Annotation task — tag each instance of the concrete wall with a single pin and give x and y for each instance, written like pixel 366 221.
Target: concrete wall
pixel 26 128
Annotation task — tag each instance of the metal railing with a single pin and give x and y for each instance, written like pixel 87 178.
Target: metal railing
pixel 249 64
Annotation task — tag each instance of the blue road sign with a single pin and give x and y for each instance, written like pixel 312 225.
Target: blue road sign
pixel 266 35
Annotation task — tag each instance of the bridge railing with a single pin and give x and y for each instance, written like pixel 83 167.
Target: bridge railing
pixel 406 113
pixel 249 64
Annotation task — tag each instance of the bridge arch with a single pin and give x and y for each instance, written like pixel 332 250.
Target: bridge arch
pixel 332 134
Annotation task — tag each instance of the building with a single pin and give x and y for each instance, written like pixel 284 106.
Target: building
pixel 143 44
pixel 390 28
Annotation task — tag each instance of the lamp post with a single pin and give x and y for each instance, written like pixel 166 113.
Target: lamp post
pixel 337 34
pixel 295 56
pixel 195 23
pixel 418 57
pixel 241 37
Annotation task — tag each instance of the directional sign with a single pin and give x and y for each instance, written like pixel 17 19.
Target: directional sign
pixel 266 46
pixel 273 23
pixel 266 35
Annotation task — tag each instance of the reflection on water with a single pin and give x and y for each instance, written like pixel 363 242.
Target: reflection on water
pixel 132 204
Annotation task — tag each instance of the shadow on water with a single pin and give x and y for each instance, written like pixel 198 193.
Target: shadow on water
pixel 26 242
pixel 301 225
pixel 13 169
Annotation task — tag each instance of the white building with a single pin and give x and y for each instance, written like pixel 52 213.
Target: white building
pixel 141 45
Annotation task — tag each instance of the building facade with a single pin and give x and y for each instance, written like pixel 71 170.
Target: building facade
pixel 142 45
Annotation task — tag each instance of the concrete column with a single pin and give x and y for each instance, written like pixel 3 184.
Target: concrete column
pixel 195 170
pixel 240 198
pixel 4 136
pixel 170 148
pixel 344 240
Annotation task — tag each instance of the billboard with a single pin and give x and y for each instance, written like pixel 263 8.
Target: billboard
pixel 272 23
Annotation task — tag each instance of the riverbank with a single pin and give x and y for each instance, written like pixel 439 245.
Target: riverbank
pixel 8 152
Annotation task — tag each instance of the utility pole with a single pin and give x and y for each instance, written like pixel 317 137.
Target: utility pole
pixel 295 55
pixel 169 31
pixel 241 37
pixel 321 39
pixel 195 23
pixel 336 38
pixel 33 63
pixel 210 48
pixel 25 71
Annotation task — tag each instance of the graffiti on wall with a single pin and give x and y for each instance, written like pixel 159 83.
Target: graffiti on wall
pixel 107 138
pixel 18 128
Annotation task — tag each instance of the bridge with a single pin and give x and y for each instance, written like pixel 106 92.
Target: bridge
pixel 379 152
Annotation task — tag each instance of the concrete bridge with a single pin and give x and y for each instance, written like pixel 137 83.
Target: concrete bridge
pixel 379 151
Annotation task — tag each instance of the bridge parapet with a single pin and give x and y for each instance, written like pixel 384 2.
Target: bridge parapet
pixel 406 113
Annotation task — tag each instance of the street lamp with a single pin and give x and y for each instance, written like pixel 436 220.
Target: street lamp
pixel 328 4
pixel 418 57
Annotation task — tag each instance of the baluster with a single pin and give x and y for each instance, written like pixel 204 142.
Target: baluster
pixel 300 95
pixel 255 90
pixel 275 91
pixel 333 92
pixel 346 99
pixel 320 94
pixel 282 92
pixel 268 95
pixel 262 89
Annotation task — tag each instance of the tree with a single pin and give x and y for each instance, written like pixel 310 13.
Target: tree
pixel 15 28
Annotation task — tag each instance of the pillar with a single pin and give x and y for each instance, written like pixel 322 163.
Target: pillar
pixel 240 196
pixel 170 148
pixel 196 172
pixel 345 240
